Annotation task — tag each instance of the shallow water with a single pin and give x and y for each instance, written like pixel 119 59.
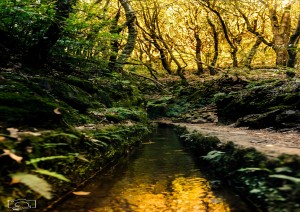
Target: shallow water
pixel 160 176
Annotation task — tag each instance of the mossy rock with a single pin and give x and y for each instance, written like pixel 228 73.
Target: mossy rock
pixel 156 110
pixel 84 84
pixel 74 96
pixel 119 114
pixel 257 99
pixel 277 118
pixel 258 120
pixel 28 109
pixel 91 88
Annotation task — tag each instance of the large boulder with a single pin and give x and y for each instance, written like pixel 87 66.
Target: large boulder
pixel 277 119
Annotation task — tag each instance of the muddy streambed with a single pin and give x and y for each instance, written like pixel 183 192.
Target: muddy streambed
pixel 160 176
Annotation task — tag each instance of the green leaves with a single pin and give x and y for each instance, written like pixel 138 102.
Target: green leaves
pixel 52 174
pixel 285 177
pixel 214 155
pixel 253 169
pixel 34 182
pixel 36 160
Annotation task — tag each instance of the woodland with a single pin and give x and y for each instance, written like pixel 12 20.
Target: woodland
pixel 81 82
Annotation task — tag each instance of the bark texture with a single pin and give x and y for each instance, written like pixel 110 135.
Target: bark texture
pixel 213 63
pixel 232 44
pixel 292 46
pixel 132 34
pixel 281 33
pixel 253 52
pixel 198 53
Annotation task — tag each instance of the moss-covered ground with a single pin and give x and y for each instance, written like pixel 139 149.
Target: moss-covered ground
pixel 58 129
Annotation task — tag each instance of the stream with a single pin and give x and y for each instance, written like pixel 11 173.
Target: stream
pixel 159 176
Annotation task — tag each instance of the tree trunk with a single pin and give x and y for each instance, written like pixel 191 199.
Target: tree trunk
pixel 163 56
pixel 179 70
pixel 39 52
pixel 252 52
pixel 281 33
pixel 213 63
pixel 132 34
pixel 153 40
pixel 292 46
pixel 114 43
pixel 233 46
pixel 198 52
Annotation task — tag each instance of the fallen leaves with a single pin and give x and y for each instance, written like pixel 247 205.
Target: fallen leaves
pixel 13 132
pixel 16 134
pixel 82 193
pixel 12 155
pixel 56 111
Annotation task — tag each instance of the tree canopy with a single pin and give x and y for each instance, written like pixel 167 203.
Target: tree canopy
pixel 174 36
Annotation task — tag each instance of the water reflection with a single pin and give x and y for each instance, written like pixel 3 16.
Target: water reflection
pixel 159 177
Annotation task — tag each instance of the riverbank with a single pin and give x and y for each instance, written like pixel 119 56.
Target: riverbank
pixel 269 142
pixel 244 130
pixel 267 178
pixel 58 129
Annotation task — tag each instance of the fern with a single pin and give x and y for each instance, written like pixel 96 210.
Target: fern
pixel 34 182
pixel 52 174
pixel 285 177
pixel 49 145
pixel 36 160
pixel 214 155
pixel 66 134
pixel 253 169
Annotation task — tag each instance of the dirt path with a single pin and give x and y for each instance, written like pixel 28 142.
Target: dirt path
pixel 270 143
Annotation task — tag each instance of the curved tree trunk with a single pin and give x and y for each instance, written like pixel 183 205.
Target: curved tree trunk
pixel 114 43
pixel 292 46
pixel 163 56
pixel 252 52
pixel 179 70
pixel 198 52
pixel 281 32
pixel 39 52
pixel 132 34
pixel 213 63
pixel 232 45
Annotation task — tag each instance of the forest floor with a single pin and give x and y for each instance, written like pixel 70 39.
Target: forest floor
pixel 269 142
pixel 260 110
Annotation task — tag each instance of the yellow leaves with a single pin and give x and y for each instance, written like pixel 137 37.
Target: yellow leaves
pixel 2 138
pixel 12 155
pixel 81 193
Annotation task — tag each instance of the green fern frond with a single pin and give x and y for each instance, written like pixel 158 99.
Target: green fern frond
pixel 36 160
pixel 52 174
pixel 34 182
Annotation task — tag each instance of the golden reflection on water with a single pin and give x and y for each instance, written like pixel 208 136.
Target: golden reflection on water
pixel 186 194
pixel 160 177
